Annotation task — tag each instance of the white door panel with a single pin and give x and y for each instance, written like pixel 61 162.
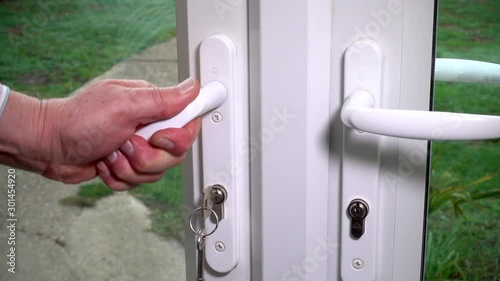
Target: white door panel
pixel 395 26
pixel 294 163
pixel 298 154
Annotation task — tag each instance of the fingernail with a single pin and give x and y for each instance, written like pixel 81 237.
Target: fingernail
pixel 127 148
pixel 103 169
pixel 186 86
pixel 112 157
pixel 165 143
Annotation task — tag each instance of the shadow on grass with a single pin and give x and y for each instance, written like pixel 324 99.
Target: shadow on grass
pixel 87 195
pixel 165 199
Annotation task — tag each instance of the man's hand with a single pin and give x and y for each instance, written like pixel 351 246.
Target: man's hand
pixel 76 138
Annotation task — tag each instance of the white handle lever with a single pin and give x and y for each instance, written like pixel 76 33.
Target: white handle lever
pixel 363 92
pixel 211 96
pixel 358 113
pixel 458 70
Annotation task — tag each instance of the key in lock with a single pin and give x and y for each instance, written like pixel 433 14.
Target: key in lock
pixel 214 198
pixel 357 210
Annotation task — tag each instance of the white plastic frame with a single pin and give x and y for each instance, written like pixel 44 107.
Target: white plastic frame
pixel 197 20
pixel 221 162
pixel 296 51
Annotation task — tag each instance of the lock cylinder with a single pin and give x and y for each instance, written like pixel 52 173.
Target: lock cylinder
pixel 358 210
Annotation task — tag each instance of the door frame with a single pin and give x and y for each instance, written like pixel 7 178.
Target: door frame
pixel 291 69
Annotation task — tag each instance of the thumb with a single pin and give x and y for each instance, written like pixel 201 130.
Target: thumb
pixel 153 103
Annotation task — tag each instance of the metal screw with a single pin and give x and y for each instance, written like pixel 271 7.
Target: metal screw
pixel 220 247
pixel 357 263
pixel 216 117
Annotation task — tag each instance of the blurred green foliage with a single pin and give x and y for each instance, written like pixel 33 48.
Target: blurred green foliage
pixel 463 241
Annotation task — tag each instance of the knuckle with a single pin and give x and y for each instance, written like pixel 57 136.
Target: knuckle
pixel 126 175
pixel 145 83
pixel 116 186
pixel 155 178
pixel 141 164
pixel 181 148
pixel 105 82
pixel 176 161
pixel 158 97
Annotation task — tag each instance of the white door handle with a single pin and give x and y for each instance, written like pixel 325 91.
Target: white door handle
pixel 458 70
pixel 363 94
pixel 358 113
pixel 211 96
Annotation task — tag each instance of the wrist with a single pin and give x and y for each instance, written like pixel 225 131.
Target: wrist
pixel 27 132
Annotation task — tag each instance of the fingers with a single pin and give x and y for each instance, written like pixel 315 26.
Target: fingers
pixel 153 103
pixel 110 180
pixel 123 169
pixel 177 141
pixel 123 175
pixel 139 161
pixel 117 172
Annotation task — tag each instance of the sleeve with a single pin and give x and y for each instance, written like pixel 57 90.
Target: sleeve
pixel 4 96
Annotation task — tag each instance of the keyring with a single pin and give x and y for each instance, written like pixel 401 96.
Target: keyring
pixel 200 209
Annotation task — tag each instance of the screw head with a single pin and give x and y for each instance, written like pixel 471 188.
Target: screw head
pixel 219 246
pixel 216 117
pixel 357 263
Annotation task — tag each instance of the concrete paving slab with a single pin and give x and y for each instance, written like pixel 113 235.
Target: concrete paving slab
pixel 37 205
pixel 42 221
pixel 39 259
pixel 160 52
pixel 114 241
pixel 157 65
pixel 162 74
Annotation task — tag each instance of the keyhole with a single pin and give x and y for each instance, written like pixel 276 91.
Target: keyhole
pixel 357 210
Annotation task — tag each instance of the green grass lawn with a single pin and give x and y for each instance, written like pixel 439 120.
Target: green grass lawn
pixel 467 247
pixel 50 51
pixel 165 198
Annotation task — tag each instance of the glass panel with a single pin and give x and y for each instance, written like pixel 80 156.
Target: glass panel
pixel 463 226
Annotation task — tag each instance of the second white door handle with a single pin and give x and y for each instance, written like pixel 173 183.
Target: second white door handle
pixel 363 91
pixel 358 113
pixel 459 70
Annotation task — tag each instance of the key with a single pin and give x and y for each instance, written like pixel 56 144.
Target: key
pixel 213 198
pixel 200 247
pixel 208 203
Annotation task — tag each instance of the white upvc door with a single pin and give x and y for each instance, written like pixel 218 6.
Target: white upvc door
pixel 327 117
pixel 218 157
